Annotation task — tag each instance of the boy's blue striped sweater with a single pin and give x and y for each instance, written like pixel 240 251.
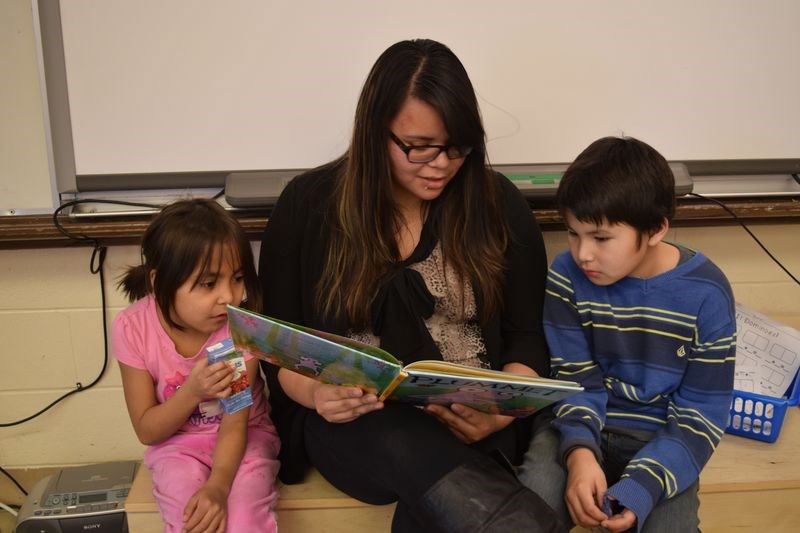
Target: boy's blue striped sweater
pixel 652 354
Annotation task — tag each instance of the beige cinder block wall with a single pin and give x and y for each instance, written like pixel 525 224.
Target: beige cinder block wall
pixel 51 326
pixel 51 331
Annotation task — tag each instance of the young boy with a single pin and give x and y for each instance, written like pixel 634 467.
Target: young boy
pixel 648 328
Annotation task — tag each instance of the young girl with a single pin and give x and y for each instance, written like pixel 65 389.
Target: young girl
pixel 211 471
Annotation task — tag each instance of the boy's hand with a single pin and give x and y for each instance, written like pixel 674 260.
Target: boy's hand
pixel 206 511
pixel 343 404
pixel 209 381
pixel 586 485
pixel 469 425
pixel 621 521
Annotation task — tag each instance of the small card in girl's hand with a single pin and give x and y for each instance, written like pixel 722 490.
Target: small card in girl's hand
pixel 240 396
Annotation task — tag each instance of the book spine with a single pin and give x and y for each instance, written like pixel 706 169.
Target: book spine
pixel 398 379
pixel 241 396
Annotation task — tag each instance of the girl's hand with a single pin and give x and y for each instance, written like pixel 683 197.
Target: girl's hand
pixel 206 511
pixel 209 381
pixel 586 486
pixel 343 404
pixel 468 424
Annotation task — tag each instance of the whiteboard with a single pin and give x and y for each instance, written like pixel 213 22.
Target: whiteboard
pixel 204 85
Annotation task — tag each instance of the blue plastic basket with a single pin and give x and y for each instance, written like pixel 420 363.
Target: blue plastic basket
pixel 758 416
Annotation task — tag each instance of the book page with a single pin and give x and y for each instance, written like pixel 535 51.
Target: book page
pixel 455 369
pixel 512 397
pixel 767 354
pixel 318 355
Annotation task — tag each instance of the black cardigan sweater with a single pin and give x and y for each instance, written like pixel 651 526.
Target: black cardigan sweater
pixel 291 262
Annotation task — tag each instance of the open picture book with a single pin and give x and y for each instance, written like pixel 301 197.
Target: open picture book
pixel 342 361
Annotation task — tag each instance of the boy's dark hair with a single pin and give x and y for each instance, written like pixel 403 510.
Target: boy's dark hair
pixel 619 180
pixel 182 236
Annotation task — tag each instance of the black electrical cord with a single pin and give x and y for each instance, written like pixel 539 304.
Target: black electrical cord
pixel 96 264
pixel 9 476
pixel 730 211
pixel 95 267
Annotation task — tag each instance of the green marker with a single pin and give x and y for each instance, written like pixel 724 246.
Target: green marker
pixel 537 179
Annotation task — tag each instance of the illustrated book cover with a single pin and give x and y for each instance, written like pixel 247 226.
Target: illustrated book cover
pixel 342 361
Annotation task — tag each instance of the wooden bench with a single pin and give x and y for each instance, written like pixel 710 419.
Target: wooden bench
pixel 750 485
pixel 747 486
pixel 314 505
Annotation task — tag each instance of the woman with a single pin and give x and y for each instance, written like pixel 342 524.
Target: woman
pixel 410 242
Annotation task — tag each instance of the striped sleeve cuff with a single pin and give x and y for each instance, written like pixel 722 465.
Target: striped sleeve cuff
pixel 634 496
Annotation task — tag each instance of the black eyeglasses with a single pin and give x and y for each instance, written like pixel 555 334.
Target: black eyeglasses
pixel 425 153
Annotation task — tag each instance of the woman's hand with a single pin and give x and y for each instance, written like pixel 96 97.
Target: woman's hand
pixel 343 404
pixel 206 511
pixel 468 424
pixel 209 381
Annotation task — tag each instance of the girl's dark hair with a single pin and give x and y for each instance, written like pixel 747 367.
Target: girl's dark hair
pixel 182 237
pixel 473 232
pixel 619 180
